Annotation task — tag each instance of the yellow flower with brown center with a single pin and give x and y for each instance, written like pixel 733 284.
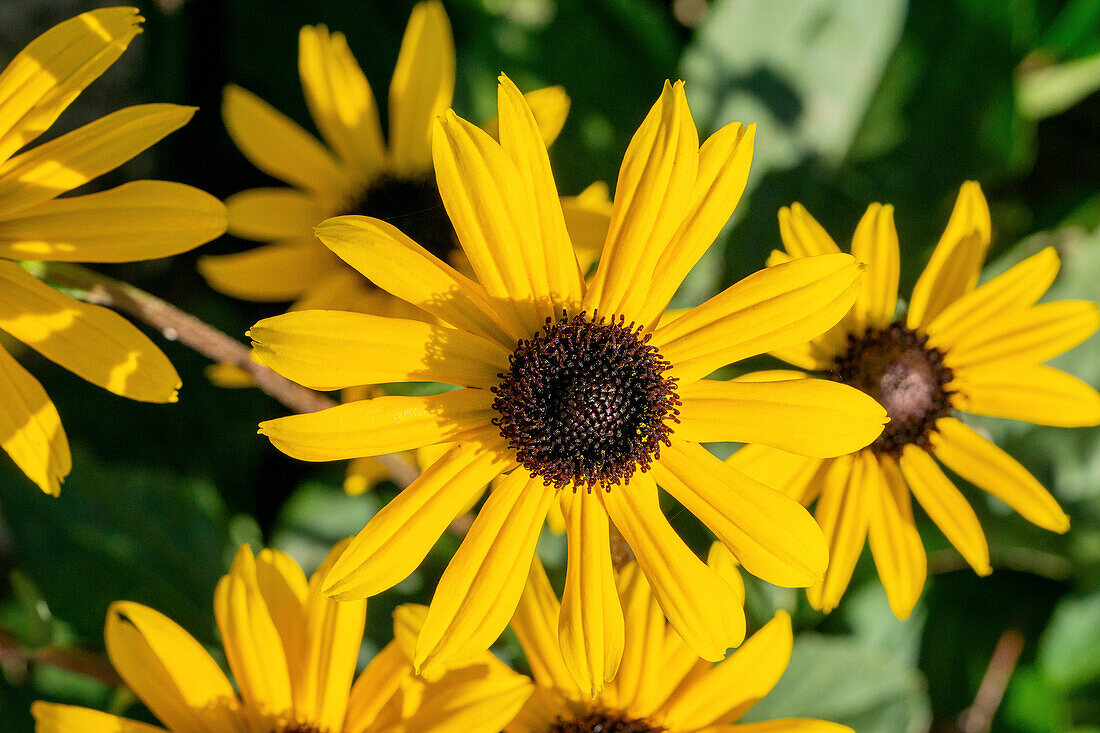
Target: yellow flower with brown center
pixel 957 347
pixel 572 388
pixel 661 685
pixel 293 654
pixel 139 220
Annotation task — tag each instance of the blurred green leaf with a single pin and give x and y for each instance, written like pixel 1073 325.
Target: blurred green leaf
pixel 1051 89
pixel 1070 648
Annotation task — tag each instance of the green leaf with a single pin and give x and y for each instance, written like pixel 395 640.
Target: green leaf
pixel 1069 650
pixel 1048 90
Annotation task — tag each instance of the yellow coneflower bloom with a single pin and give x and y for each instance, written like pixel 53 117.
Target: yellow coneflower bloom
pixel 958 347
pixel 572 386
pixel 293 654
pixel 661 686
pixel 135 221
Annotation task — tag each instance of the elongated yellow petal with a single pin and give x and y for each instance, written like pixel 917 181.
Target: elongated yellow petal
pixel 991 469
pixel 810 417
pixel 816 355
pixel 280 147
pixel 1035 335
pixel 340 99
pixel 842 510
pixel 142 220
pixel 77 157
pixel 775 308
pixel 588 217
pixel 946 506
pixel 477 698
pixel 363 474
pixel 480 589
pixel 45 77
pixel 697 602
pixel 957 260
pixel 380 425
pixel 793 725
pixel 172 674
pixel 550 107
pixel 422 86
pixel 30 428
pixel 1013 290
pixel 53 718
pixel 267 214
pixel 285 592
pixel 536 624
pixel 637 685
pixel 801 234
pixel 769 533
pixel 724 161
pixel 274 272
pixel 895 542
pixel 794 475
pixel 399 536
pixel 1039 394
pixel 652 197
pixel 375 687
pixel 90 341
pixel 590 626
pixel 728 689
pixel 334 349
pixel 403 268
pixel 875 244
pixel 522 142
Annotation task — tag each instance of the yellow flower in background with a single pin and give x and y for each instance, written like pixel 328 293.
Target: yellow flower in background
pixel 136 221
pixel 354 171
pixel 293 655
pixel 661 686
pixel 959 347
pixel 572 388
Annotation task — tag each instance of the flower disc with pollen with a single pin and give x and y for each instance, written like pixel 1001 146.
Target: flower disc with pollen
pixel 602 721
pixel 896 367
pixel 414 206
pixel 585 402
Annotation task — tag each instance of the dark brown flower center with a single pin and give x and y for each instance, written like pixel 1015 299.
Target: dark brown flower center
pixel 602 721
pixel 907 377
pixel 585 402
pixel 298 728
pixel 414 206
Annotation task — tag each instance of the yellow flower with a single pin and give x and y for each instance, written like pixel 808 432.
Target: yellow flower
pixel 293 654
pixel 574 387
pixel 661 685
pixel 353 171
pixel 959 347
pixel 135 221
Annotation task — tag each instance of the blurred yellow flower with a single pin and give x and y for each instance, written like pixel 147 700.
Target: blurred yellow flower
pixel 293 654
pixel 959 347
pixel 136 221
pixel 572 388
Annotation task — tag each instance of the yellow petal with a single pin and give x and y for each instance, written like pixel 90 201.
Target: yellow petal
pixel 375 687
pixel 363 474
pixel 168 670
pixel 30 428
pixel 521 141
pixel 724 161
pixel 875 243
pixel 88 340
pixel 274 272
pixel 731 687
pixel 340 99
pixel 697 602
pixel 1039 394
pixel 403 268
pixel 422 86
pixel 1013 290
pixel 991 469
pixel 53 718
pixel 266 214
pixel 842 512
pixel 638 683
pixel 399 536
pixel 329 350
pixel 769 533
pixel 946 507
pixel 280 147
pixel 895 542
pixel 652 197
pixel 549 105
pixel 816 355
pixel 45 77
pixel 957 260
pixel 478 698
pixel 794 475
pixel 1035 335
pixel 588 217
pixel 380 425
pixel 802 235
pixel 536 624
pixel 77 157
pixel 793 725
pixel 810 417
pixel 590 626
pixel 771 309
pixel 480 589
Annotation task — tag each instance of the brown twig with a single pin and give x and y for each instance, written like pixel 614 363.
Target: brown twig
pixel 176 325
pixel 21 660
pixel 978 718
